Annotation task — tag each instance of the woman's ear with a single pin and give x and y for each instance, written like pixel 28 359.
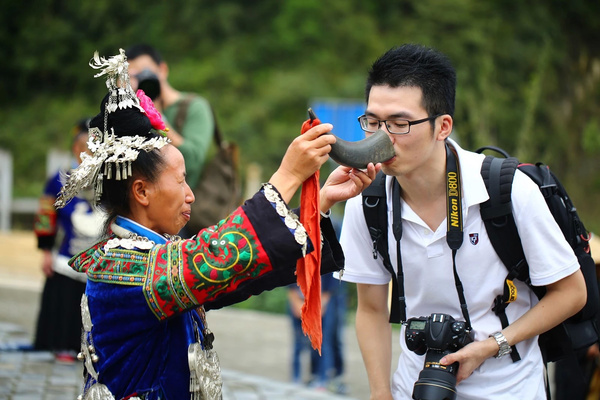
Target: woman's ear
pixel 446 127
pixel 140 192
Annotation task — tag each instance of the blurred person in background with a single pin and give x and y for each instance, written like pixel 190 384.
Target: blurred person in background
pixel 62 233
pixel 189 117
pixel 577 376
pixel 326 369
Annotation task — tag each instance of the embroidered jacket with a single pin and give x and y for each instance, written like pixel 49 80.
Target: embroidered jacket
pixel 142 301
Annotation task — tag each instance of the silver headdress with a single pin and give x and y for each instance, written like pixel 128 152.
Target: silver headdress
pixel 112 155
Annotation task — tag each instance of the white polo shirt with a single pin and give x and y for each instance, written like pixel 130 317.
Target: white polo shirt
pixel 429 280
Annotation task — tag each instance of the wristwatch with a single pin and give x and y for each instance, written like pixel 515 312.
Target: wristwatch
pixel 503 346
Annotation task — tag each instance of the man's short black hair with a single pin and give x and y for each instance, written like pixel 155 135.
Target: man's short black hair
pixel 413 65
pixel 142 49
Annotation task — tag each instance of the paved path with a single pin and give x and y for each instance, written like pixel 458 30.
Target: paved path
pixel 254 347
pixel 36 375
pixel 29 375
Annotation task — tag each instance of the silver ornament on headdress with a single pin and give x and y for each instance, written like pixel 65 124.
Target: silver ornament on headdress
pixel 116 69
pixel 111 155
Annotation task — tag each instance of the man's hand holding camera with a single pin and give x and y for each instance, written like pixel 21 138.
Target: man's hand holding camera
pixel 471 357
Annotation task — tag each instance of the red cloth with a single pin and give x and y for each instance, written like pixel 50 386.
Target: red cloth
pixel 308 268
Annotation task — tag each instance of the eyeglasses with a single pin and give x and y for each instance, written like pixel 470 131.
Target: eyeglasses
pixel 396 126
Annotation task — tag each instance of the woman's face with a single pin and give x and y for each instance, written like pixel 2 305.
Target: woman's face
pixel 169 197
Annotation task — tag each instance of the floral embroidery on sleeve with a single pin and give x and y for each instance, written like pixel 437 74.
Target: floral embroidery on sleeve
pixel 185 274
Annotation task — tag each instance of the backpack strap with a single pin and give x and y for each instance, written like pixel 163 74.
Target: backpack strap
pixel 375 210
pixel 182 110
pixel 496 213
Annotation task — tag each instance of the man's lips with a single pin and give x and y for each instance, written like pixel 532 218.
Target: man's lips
pixel 187 215
pixel 391 160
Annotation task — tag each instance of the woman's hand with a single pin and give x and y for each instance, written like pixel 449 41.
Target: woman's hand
pixel 47 263
pixel 304 157
pixel 344 183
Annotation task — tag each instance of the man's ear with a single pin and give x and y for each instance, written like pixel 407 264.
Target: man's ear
pixel 163 68
pixel 446 127
pixel 140 192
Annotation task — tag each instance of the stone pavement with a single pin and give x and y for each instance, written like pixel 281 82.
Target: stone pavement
pixel 36 375
pixel 254 347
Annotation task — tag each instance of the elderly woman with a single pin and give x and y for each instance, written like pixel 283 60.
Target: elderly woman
pixel 145 333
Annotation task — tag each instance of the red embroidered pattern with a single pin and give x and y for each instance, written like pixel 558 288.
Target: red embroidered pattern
pixel 182 275
pixel 44 223
pixel 187 273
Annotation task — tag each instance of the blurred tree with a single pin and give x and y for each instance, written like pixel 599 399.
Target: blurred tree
pixel 528 72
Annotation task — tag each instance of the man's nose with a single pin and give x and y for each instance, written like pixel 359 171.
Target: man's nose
pixel 383 126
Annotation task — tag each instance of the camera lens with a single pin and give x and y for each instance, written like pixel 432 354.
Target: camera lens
pixel 149 83
pixel 435 384
pixel 436 381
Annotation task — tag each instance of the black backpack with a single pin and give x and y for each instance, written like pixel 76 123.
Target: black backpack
pixel 577 332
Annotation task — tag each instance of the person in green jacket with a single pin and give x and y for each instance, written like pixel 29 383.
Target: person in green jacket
pixel 193 134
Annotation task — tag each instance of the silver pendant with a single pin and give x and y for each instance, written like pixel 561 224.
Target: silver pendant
pixel 98 391
pixel 206 382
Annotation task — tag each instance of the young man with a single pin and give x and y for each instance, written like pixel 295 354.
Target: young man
pixel 410 94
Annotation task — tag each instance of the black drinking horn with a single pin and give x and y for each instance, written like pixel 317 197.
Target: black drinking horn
pixel 375 148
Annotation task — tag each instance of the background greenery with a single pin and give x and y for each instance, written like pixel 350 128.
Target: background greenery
pixel 528 72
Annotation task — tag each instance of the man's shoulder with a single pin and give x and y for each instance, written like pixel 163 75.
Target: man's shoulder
pixel 192 98
pixel 188 100
pixel 468 158
pixel 354 202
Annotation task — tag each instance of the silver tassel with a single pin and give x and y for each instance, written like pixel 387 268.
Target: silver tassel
pixel 118 172
pixel 99 188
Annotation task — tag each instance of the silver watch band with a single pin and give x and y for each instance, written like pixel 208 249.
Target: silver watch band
pixel 503 346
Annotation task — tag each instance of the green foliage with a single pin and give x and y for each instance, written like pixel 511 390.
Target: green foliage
pixel 33 129
pixel 274 301
pixel 528 72
pixel 591 137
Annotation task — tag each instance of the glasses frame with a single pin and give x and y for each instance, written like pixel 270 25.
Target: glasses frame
pixel 385 121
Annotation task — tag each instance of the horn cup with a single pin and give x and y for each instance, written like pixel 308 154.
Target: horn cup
pixel 375 148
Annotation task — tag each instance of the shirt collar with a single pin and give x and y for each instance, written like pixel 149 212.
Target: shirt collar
pixel 473 187
pixel 140 230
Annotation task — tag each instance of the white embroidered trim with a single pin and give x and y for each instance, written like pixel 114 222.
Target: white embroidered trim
pixel 290 219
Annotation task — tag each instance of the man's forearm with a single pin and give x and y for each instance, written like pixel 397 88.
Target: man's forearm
pixel 374 338
pixel 562 299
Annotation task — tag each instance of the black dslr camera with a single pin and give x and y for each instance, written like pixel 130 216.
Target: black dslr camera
pixel 149 83
pixel 436 335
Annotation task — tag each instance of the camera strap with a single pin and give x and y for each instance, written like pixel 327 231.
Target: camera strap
pixel 454 219
pixel 454 235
